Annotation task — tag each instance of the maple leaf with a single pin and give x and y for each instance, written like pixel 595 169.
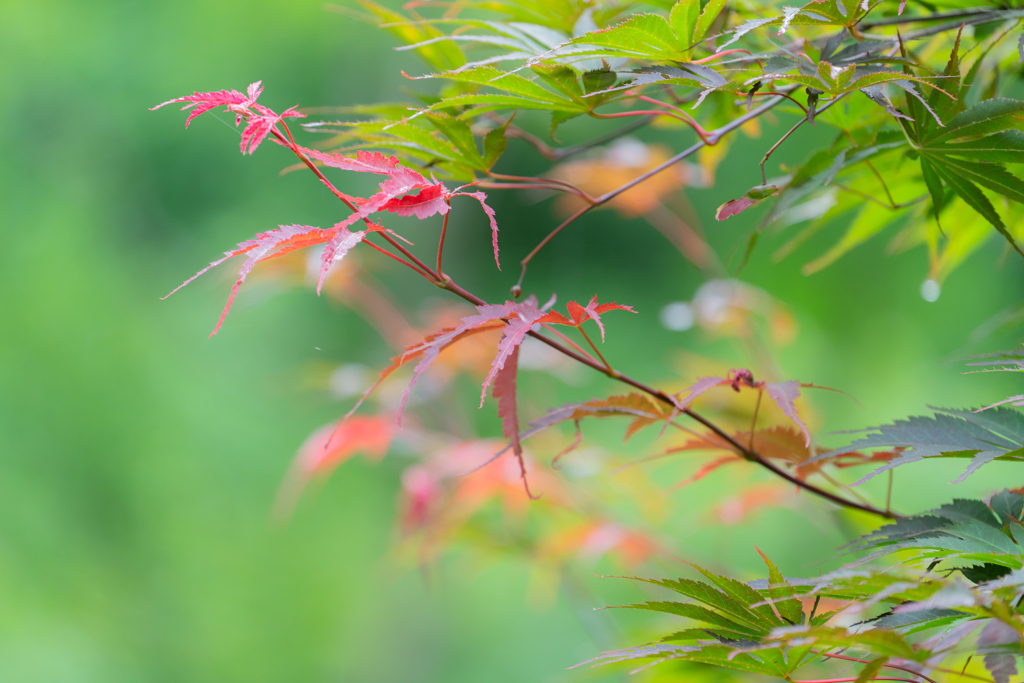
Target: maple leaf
pixel 505 391
pixel 261 120
pixel 523 316
pixel 753 196
pixel 329 447
pixel 481 197
pixel 202 102
pixel 783 393
pixel 638 406
pixel 580 314
pixel 432 344
pixel 592 311
pixel 782 443
pixel 1001 643
pixel 984 436
pixel 363 162
pixel 434 197
pixel 261 124
pixel 274 243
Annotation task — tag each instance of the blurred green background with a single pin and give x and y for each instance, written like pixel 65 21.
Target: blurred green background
pixel 139 460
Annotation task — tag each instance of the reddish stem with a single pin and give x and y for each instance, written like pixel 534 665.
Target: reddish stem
pixel 705 60
pixel 440 244
pixel 682 115
pixel 865 661
pixel 397 258
pixel 780 94
pixel 570 342
pixel 587 337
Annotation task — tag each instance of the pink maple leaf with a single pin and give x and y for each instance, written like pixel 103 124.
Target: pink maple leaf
pixel 274 243
pixel 202 102
pixel 260 125
pixel 335 250
pixel 701 386
pixel 261 120
pixel 784 394
pixel 429 201
pixel 505 391
pixel 594 311
pixel 581 314
pixel 482 198
pixel 523 317
pixel 363 162
pixel 432 347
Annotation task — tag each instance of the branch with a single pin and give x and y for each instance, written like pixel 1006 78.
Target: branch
pixel 447 283
pixel 745 452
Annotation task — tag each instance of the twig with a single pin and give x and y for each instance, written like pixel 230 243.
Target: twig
pixel 764 179
pixel 397 258
pixel 741 449
pixel 587 337
pixel 440 243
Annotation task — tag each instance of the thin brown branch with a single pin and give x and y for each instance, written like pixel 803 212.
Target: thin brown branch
pixel 440 243
pixel 764 179
pixel 742 450
pixel 685 118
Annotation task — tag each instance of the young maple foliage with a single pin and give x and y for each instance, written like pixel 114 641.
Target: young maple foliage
pixel 394 196
pixel 329 447
pixel 261 120
pixel 515 320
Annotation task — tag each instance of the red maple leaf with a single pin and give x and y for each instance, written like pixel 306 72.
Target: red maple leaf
pixel 261 120
pixel 580 314
pixel 274 243
pixel 328 447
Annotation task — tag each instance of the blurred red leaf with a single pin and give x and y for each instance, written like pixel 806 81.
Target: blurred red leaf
pixel 752 197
